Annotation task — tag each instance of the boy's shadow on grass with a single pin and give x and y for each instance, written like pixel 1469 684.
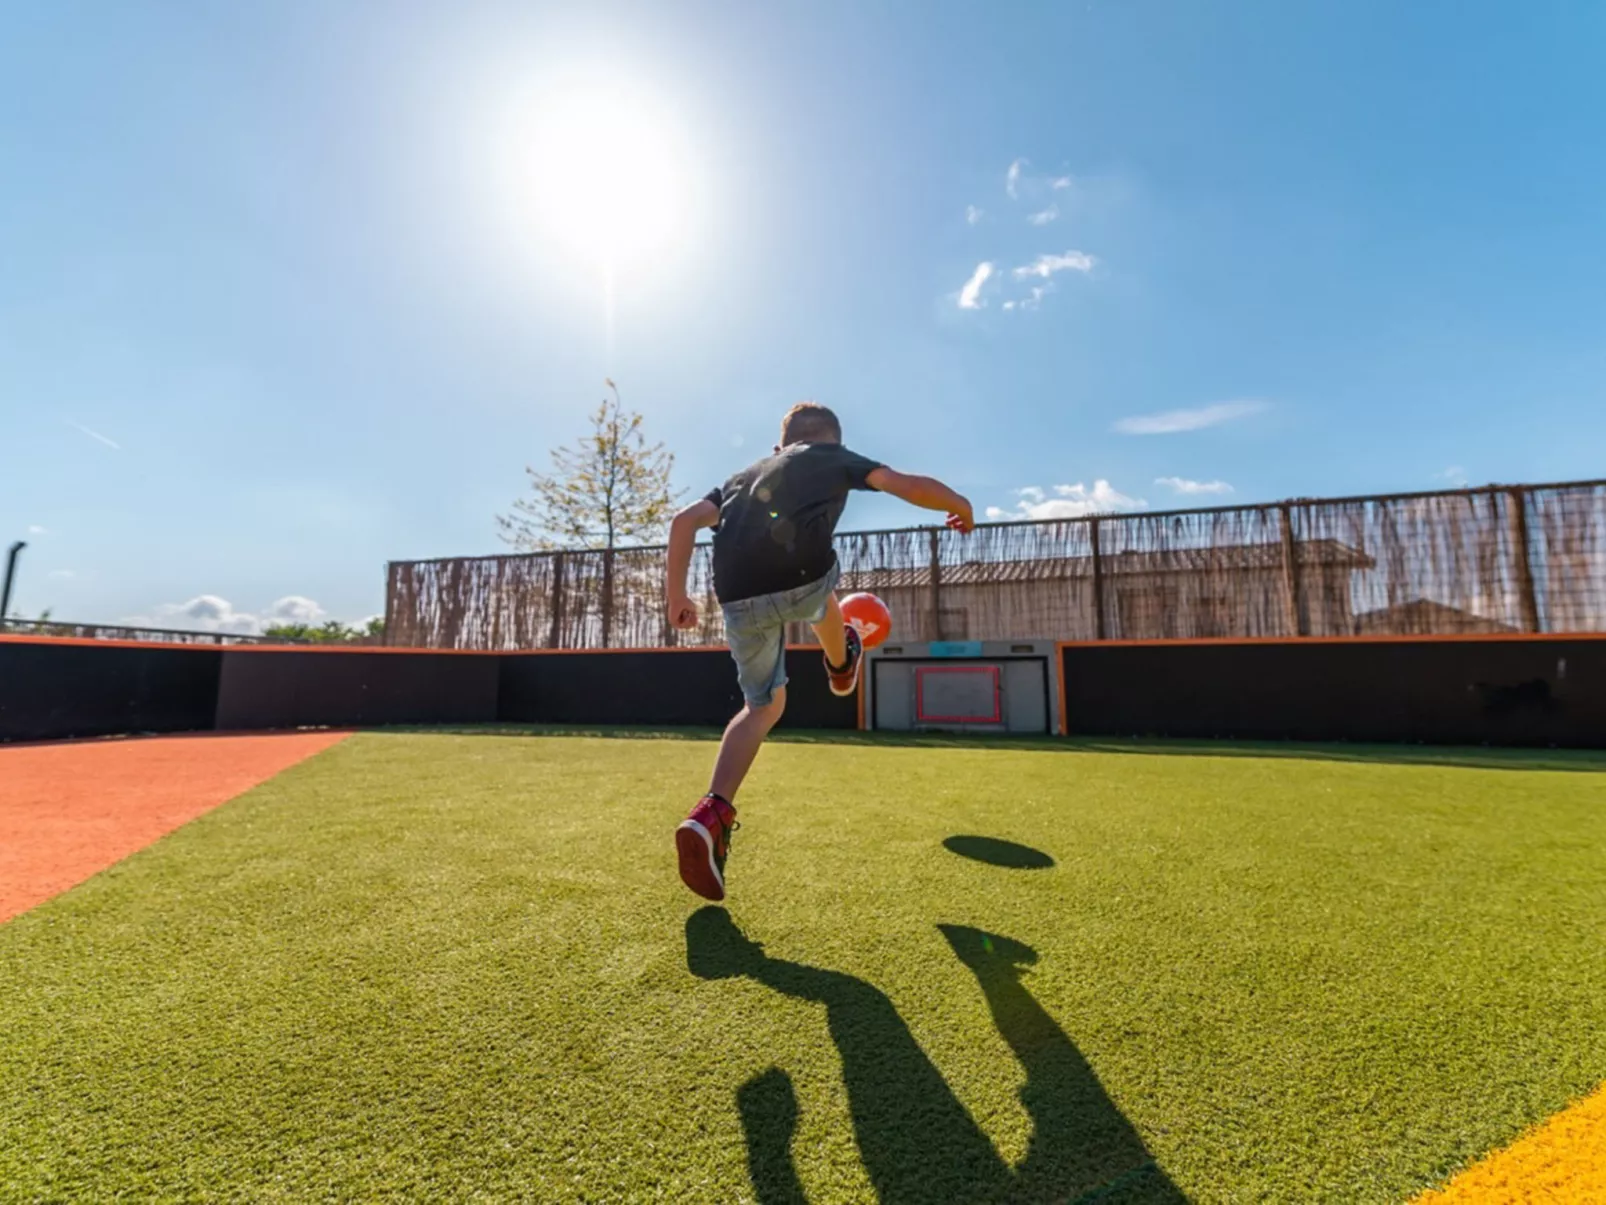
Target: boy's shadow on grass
pixel 918 1143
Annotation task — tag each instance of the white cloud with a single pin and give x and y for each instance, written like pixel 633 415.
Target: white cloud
pixel 1173 421
pixel 970 295
pixel 95 435
pixel 1455 475
pixel 1046 265
pixel 61 575
pixel 1067 502
pixel 1044 216
pixel 293 608
pixel 1012 178
pixel 35 530
pixel 1020 182
pixel 973 214
pixel 1033 300
pixel 1182 485
pixel 211 613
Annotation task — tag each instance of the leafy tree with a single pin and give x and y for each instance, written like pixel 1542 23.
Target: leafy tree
pixel 610 489
pixel 329 632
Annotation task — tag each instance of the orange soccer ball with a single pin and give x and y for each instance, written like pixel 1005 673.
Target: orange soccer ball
pixel 868 616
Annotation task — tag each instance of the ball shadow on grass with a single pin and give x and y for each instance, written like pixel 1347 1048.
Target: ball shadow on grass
pixel 1009 854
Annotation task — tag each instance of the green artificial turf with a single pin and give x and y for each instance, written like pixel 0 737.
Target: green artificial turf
pixel 462 967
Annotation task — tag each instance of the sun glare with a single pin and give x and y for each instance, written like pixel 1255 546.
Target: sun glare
pixel 606 175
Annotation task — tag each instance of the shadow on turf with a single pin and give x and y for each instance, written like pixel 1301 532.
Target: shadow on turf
pixel 1459 757
pixel 917 1141
pixel 1011 855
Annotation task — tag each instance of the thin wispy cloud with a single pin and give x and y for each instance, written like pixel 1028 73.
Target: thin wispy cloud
pixel 1044 216
pixel 1173 421
pixel 1012 178
pixel 61 575
pixel 1020 182
pixel 970 295
pixel 1181 485
pixel 1066 502
pixel 1047 265
pixel 1033 300
pixel 973 214
pixel 95 435
pixel 35 530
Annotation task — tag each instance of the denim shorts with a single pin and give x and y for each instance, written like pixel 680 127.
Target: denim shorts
pixel 755 628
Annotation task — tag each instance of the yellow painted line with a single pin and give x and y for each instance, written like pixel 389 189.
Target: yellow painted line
pixel 1563 1159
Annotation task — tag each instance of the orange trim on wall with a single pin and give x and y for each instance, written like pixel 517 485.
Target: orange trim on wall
pixel 88 642
pixel 1059 676
pixel 1443 638
pixel 1440 638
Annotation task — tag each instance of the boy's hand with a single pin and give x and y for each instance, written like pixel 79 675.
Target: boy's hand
pixel 961 518
pixel 682 613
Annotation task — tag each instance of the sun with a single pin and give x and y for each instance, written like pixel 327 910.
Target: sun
pixel 605 174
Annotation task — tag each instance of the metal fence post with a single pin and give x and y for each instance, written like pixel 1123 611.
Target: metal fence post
pixel 936 585
pixel 1291 609
pixel 11 572
pixel 1527 598
pixel 607 597
pixel 392 607
pixel 554 640
pixel 1099 629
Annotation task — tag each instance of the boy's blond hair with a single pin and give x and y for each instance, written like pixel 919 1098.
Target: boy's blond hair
pixel 810 422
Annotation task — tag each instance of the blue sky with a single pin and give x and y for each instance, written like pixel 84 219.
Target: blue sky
pixel 281 298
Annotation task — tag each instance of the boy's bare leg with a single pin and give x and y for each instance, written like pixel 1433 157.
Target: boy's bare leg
pixel 831 633
pixel 740 745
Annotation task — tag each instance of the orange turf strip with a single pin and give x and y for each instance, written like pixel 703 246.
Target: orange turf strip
pixel 68 811
pixel 1562 1160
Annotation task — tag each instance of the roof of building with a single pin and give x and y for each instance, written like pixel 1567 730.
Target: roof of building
pixel 1426 615
pixel 1230 558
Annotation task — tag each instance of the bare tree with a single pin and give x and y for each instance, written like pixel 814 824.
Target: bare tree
pixel 609 489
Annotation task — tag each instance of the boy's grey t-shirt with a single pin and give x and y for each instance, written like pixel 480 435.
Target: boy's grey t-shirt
pixel 777 517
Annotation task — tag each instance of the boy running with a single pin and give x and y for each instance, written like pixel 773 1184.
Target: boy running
pixel 774 564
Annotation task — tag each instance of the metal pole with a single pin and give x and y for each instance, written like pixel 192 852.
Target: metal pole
pixel 555 636
pixel 1099 629
pixel 607 597
pixel 1522 555
pixel 1293 618
pixel 11 572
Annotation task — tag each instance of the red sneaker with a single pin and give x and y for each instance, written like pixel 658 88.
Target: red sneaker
pixel 845 679
pixel 703 840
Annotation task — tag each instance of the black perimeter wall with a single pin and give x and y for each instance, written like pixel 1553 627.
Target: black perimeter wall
pixel 1501 691
pixel 693 686
pixel 282 689
pixel 50 690
pixel 1437 691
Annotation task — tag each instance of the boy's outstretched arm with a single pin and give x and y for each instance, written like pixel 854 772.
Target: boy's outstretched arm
pixel 927 493
pixel 683 531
